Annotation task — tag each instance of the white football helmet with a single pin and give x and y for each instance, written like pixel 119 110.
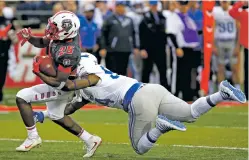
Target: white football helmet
pixel 62 25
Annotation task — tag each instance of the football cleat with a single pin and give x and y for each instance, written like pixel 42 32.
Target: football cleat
pixel 29 143
pixel 229 92
pixel 165 125
pixel 91 146
pixel 38 117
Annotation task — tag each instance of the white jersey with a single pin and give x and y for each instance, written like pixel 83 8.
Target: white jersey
pixel 110 90
pixel 225 28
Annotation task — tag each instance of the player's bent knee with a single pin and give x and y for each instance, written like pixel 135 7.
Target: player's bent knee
pixel 140 152
pixel 20 101
pixel 136 149
pixel 22 96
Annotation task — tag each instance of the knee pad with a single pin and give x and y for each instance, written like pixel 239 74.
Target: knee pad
pixel 23 94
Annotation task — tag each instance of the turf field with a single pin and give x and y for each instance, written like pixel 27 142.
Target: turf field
pixel 219 135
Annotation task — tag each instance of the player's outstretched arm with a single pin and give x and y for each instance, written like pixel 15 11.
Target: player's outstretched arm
pixel 39 42
pixel 90 80
pixel 26 35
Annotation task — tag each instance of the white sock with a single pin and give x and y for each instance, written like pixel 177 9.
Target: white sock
pixel 216 98
pixel 204 104
pixel 45 113
pixel 84 135
pixel 154 134
pixel 144 144
pixel 32 132
pixel 199 107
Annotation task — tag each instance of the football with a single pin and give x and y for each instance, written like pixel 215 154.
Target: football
pixel 47 66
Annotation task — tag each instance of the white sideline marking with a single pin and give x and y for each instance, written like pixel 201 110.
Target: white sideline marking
pixel 213 127
pixel 231 113
pixel 191 126
pixel 183 146
pixel 211 147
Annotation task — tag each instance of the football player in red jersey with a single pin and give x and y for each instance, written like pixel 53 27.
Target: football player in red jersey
pixel 61 40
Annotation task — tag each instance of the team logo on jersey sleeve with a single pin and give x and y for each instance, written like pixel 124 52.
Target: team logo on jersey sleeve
pixel 66 62
pixel 67 24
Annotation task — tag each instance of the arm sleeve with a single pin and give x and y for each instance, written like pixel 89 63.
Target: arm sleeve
pixel 234 11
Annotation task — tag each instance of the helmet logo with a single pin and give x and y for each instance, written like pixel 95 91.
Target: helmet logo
pixel 67 24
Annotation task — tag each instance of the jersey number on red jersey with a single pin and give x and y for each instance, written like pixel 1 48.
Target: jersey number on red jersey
pixel 66 50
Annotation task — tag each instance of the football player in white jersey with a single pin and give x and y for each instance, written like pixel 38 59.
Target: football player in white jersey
pixel 144 103
pixel 226 47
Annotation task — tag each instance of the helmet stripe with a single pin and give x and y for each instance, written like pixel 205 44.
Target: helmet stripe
pixel 61 13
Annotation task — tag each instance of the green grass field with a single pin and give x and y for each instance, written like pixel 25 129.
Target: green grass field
pixel 219 135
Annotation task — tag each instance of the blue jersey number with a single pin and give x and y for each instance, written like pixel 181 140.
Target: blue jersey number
pixel 112 75
pixel 226 27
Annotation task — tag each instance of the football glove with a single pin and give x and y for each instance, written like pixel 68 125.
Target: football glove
pixel 36 64
pixel 24 35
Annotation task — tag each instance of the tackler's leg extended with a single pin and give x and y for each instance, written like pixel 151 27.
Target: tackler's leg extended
pixel 143 113
pixel 154 99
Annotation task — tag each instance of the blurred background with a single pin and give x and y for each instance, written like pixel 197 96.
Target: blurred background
pixel 189 47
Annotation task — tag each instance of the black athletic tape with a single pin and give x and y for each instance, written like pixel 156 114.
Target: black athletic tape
pixel 210 102
pixel 150 139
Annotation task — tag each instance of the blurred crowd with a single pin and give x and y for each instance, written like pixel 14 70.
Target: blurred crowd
pixel 153 41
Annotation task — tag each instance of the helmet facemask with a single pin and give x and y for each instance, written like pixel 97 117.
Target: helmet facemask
pixel 52 31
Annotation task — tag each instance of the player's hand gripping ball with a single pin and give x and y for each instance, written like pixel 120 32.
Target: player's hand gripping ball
pixel 45 65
